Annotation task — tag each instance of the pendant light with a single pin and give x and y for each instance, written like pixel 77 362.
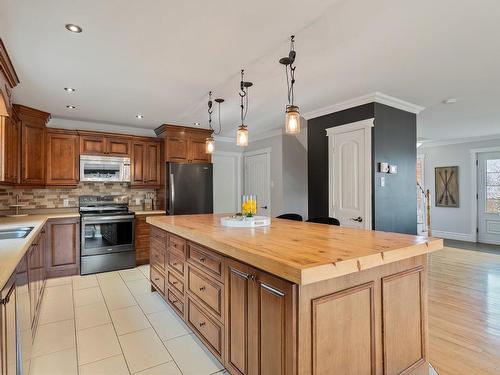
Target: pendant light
pixel 210 141
pixel 292 114
pixel 242 133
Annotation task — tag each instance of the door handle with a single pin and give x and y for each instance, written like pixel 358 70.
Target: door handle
pixel 358 219
pixel 264 207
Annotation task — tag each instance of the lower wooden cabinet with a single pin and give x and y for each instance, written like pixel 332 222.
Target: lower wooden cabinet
pixel 260 322
pixel 63 247
pixel 8 334
pixel 142 239
pixel 36 276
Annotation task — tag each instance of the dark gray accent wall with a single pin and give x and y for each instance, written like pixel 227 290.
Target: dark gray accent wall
pixel 393 141
pixel 317 153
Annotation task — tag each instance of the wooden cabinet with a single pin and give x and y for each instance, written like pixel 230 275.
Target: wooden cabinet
pixel 9 149
pixel 104 144
pixel 260 322
pixel 33 145
pixel 145 163
pixel 36 275
pixel 184 144
pixel 62 158
pixel 142 239
pixel 8 334
pixel 63 247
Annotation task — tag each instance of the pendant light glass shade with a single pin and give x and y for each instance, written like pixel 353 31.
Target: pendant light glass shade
pixel 209 145
pixel 242 136
pixel 292 120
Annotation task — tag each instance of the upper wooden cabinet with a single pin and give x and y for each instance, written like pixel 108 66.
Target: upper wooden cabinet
pixel 184 144
pixel 103 144
pixel 62 157
pixel 9 148
pixel 33 145
pixel 145 163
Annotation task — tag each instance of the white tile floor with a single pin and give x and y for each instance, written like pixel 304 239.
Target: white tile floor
pixel 112 323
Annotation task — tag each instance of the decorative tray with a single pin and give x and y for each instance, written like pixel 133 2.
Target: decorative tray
pixel 245 222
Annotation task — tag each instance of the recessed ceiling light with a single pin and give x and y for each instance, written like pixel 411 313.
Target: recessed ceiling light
pixel 70 107
pixel 73 28
pixel 69 89
pixel 196 124
pixel 139 116
pixel 450 101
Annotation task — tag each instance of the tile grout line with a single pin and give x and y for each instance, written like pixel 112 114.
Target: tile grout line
pixel 152 326
pixel 74 322
pixel 113 324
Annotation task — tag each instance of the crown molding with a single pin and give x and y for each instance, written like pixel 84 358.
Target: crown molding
pixel 375 97
pixel 7 68
pixel 456 141
pixel 64 123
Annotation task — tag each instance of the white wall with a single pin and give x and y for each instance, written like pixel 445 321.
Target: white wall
pixel 454 223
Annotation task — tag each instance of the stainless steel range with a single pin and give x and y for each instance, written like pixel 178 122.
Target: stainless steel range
pixel 107 234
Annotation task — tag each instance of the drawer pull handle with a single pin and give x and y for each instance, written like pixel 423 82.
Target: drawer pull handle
pixel 202 289
pixel 202 324
pixel 157 278
pixel 175 282
pixel 203 259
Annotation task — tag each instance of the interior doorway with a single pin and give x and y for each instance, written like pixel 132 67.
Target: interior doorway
pixel 257 166
pixel 350 177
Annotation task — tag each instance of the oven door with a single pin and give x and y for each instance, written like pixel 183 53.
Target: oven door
pixel 107 234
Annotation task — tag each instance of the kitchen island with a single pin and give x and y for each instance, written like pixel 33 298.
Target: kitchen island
pixel 297 298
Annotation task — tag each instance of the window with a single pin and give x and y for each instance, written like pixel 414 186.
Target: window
pixel 493 186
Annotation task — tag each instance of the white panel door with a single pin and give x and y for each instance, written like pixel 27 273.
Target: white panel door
pixel 350 174
pixel 226 182
pixel 488 186
pixel 258 180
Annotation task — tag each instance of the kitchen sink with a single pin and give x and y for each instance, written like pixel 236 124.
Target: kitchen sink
pixel 13 233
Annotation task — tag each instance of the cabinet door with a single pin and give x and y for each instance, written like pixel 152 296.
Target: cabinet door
pixel 177 149
pixel 138 163
pixel 92 145
pixel 63 247
pixel 197 151
pixel 273 325
pixel 239 287
pixel 152 167
pixel 8 344
pixel 62 159
pixel 11 147
pixel 142 232
pixel 117 147
pixel 33 154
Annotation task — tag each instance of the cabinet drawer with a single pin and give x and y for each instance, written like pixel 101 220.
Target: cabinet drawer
pixel 207 260
pixel 158 257
pixel 176 262
pixel 209 292
pixel 158 233
pixel 158 280
pixel 175 283
pixel 177 243
pixel 175 302
pixel 206 327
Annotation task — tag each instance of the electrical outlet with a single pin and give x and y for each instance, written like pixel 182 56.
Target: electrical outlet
pixel 66 202
pixel 137 201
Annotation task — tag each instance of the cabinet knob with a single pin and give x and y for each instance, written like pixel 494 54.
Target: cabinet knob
pixel 203 259
pixel 202 324
pixel 202 289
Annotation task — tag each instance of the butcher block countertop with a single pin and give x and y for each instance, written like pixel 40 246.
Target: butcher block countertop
pixel 300 252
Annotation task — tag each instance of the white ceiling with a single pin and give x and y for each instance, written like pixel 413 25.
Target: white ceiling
pixel 161 59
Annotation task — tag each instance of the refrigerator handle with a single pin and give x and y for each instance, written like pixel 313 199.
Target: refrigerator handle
pixel 172 195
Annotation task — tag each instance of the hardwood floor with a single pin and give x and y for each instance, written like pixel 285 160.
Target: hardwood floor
pixel 464 312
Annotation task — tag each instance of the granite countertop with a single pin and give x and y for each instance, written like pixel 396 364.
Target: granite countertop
pixel 12 251
pixel 300 252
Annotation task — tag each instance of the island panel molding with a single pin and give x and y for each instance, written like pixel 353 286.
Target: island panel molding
pixel 231 288
pixel 303 253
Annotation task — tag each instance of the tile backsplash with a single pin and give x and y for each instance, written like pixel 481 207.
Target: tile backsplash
pixel 68 197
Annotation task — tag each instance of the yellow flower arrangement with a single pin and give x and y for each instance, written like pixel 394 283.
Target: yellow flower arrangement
pixel 249 207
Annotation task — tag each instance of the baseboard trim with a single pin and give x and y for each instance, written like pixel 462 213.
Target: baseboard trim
pixel 453 235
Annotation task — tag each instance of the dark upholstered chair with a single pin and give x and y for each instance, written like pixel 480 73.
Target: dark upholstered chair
pixel 294 217
pixel 324 220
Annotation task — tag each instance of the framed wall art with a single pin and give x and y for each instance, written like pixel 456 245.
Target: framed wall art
pixel 446 180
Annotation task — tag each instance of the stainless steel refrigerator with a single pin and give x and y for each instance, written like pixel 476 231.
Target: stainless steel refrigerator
pixel 189 189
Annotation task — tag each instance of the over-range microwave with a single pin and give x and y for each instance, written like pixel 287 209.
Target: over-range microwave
pixel 104 168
